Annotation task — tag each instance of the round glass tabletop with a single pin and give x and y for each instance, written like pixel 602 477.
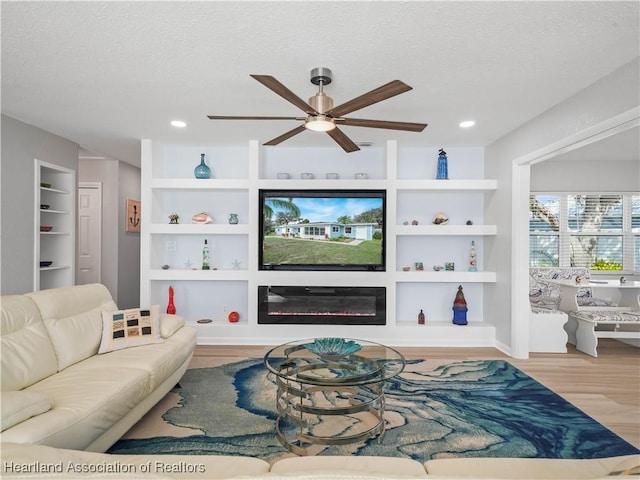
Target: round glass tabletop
pixel 334 361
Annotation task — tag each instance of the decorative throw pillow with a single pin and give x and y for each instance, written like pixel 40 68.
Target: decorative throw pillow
pixel 130 328
pixel 170 324
pixel 18 406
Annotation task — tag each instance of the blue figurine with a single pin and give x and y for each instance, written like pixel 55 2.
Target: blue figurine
pixel 460 308
pixel 443 168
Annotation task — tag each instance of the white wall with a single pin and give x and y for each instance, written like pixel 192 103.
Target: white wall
pixel 612 95
pixel 21 144
pixel 120 253
pixel 607 175
pixel 128 242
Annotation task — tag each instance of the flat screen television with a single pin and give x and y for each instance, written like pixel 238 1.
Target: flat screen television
pixel 322 230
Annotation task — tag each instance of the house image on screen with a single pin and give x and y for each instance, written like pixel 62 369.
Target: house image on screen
pixel 327 230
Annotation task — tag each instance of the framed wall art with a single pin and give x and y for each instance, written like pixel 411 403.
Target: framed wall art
pixel 133 216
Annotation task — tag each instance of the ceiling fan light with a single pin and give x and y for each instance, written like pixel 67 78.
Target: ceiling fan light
pixel 320 123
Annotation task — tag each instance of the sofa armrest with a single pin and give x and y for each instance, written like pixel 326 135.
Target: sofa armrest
pixel 170 324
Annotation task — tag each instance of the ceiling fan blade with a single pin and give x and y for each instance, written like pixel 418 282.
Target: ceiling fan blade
pixel 391 89
pixel 359 122
pixel 286 135
pixel 275 86
pixel 341 139
pixel 237 117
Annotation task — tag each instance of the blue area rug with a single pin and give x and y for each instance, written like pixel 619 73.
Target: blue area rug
pixel 460 409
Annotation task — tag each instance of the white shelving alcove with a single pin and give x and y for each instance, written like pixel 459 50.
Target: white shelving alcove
pixel 171 255
pixel 54 226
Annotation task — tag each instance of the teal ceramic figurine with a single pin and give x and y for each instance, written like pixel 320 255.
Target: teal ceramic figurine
pixel 202 170
pixel 460 308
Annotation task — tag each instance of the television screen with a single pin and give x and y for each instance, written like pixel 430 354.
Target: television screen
pixel 322 230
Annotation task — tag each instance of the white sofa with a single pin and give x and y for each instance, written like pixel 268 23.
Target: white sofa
pixel 58 391
pixel 68 464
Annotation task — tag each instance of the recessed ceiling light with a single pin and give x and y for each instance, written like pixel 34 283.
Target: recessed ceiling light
pixel 178 123
pixel 467 123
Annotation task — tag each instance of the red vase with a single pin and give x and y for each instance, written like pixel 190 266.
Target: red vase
pixel 171 308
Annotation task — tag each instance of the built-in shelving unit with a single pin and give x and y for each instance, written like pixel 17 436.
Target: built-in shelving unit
pixel 54 226
pixel 168 187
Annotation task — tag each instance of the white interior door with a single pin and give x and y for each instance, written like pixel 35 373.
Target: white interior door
pixel 89 233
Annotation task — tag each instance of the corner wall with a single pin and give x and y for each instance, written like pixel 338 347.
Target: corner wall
pixel 21 144
pixel 120 253
pixel 611 96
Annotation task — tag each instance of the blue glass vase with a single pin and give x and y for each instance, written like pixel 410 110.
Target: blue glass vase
pixel 202 170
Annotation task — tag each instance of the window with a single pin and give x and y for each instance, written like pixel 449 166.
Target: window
pixel 313 231
pixel 598 231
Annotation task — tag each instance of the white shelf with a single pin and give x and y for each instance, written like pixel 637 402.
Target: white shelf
pixel 204 275
pixel 208 293
pixel 450 185
pixel 48 210
pixel 198 184
pixel 54 190
pixel 446 230
pixel 321 183
pixel 199 229
pixel 54 267
pixel 445 277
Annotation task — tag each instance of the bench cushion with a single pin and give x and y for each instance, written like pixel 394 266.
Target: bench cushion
pixel 607 316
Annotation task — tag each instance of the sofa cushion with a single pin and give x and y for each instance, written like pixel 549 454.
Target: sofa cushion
pixel 18 406
pixel 27 353
pixel 130 328
pixel 398 468
pixel 137 466
pixel 160 360
pixel 73 317
pixel 87 401
pixel 170 324
pixel 528 468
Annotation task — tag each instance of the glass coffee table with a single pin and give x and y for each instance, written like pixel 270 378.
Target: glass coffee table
pixel 330 391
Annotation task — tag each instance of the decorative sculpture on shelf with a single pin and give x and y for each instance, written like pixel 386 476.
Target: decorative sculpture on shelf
pixel 202 217
pixel 233 219
pixel 173 219
pixel 473 258
pixel 443 167
pixel 440 218
pixel 460 308
pixel 171 308
pixel 205 255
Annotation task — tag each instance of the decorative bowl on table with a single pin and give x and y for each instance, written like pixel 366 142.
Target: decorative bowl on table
pixel 46 228
pixel 333 347
pixel 46 264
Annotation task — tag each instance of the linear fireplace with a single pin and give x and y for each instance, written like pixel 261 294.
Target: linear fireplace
pixel 321 305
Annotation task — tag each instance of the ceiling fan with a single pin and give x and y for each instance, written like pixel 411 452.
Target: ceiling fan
pixel 322 116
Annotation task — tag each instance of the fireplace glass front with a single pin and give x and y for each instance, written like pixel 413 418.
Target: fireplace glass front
pixel 321 305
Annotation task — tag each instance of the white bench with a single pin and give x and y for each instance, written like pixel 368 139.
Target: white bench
pixel 547 323
pixel 546 330
pixel 585 327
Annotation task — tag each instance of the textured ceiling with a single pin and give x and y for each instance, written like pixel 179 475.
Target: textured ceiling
pixel 106 74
